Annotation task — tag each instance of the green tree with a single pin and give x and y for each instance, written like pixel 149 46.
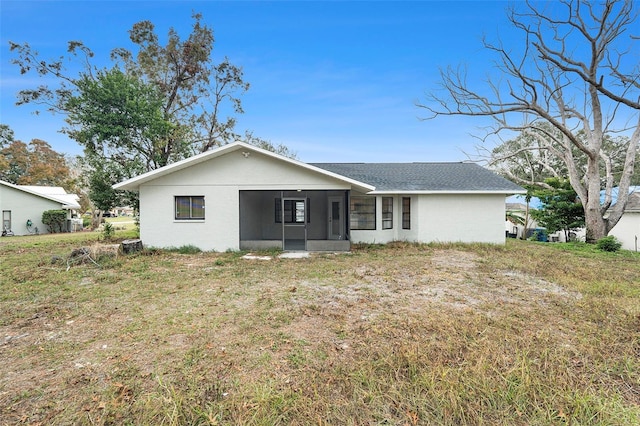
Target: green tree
pixel 268 145
pixel 158 104
pixel 197 93
pixel 167 103
pixel 34 164
pixel 198 96
pixel 561 210
pixel 575 72
pixel 117 118
pixel 101 192
pixel 6 138
pixel 6 135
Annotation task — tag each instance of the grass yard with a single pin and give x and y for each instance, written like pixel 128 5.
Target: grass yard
pixel 528 333
pixel 122 222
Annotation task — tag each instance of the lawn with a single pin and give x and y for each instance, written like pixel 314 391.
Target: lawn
pixel 527 333
pixel 122 222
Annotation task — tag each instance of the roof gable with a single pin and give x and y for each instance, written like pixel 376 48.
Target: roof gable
pixel 134 183
pixel 53 193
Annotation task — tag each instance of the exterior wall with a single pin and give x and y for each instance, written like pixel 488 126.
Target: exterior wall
pixel 462 218
pixel 442 218
pixel 627 230
pixel 220 181
pixel 23 207
pixel 218 231
pixel 396 233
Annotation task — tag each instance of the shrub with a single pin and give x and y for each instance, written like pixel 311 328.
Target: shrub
pixel 55 220
pixel 609 243
pixel 108 231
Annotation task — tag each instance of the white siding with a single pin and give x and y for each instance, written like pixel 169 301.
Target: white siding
pixel 23 207
pixel 627 230
pixel 442 218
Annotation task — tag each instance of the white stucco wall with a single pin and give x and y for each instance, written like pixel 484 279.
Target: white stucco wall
pixel 627 230
pixel 462 218
pixel 442 218
pixel 382 236
pixel 220 181
pixel 23 207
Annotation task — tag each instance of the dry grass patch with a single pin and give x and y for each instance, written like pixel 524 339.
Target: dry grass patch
pixel 403 334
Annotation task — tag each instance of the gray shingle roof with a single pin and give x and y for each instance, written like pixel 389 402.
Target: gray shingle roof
pixel 444 177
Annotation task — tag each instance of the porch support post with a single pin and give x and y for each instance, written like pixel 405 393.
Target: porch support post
pixel 282 215
pixel 347 214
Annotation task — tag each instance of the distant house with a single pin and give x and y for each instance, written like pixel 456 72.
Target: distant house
pixel 22 206
pixel 242 197
pixel 627 230
pixel 516 205
pixel 516 215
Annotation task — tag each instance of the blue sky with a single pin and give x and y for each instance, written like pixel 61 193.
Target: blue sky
pixel 334 81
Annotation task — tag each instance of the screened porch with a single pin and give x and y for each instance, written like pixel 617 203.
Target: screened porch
pixel 294 220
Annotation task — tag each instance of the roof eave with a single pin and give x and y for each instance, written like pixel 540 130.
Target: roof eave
pixel 64 204
pixel 457 192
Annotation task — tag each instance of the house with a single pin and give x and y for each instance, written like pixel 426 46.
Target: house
pixel 242 197
pixel 627 230
pixel 22 206
pixel 516 216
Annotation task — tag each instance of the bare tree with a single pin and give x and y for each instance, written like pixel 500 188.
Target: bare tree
pixel 576 73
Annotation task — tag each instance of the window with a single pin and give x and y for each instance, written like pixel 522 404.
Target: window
pixel 294 211
pixel 363 213
pixel 406 213
pixel 189 207
pixel 387 212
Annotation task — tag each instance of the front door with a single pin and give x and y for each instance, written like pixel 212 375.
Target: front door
pixel 336 219
pixel 294 223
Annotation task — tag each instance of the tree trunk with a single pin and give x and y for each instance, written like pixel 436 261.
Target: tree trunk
pixel 595 224
pixel 131 246
pixel 96 219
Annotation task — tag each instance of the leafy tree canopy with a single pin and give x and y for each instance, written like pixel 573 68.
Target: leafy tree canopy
pixel 35 163
pixel 118 118
pixel 561 210
pixel 158 103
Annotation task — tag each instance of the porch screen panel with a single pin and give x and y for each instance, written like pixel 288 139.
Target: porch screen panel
pixel 335 218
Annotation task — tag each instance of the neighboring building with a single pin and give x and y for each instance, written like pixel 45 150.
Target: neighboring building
pixel 242 197
pixel 516 205
pixel 516 215
pixel 22 206
pixel 627 230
